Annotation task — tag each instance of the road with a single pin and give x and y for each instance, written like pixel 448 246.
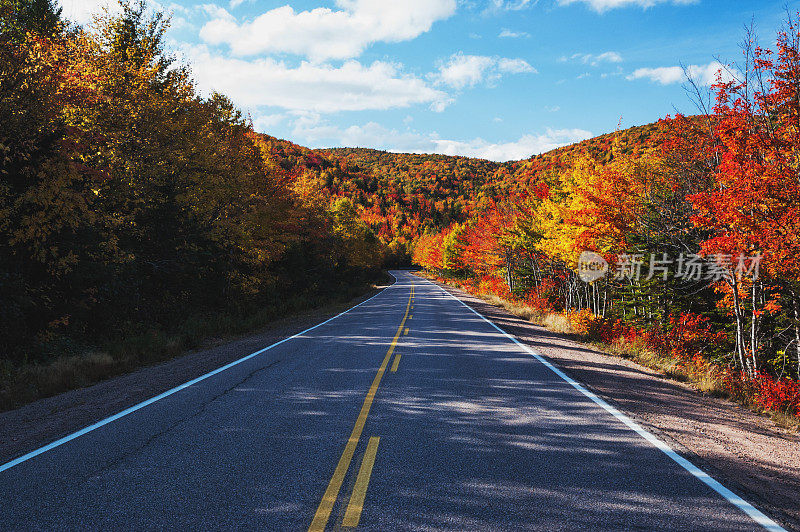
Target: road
pixel 408 412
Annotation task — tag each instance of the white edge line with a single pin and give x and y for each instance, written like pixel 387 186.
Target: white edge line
pixel 139 406
pixel 755 514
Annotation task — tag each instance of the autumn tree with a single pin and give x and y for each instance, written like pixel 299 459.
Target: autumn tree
pixel 753 207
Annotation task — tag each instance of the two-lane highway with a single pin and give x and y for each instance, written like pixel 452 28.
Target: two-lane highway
pixel 409 411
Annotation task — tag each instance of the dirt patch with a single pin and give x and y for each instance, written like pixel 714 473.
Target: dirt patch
pixel 41 422
pixel 748 453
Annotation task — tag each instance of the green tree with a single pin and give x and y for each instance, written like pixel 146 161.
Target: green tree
pixel 18 17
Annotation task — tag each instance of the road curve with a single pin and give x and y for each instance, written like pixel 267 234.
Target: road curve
pixel 408 412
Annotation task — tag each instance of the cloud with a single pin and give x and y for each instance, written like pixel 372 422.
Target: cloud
pixel 216 12
pixel 514 66
pixel 460 70
pixel 510 5
pixel 311 87
pixel 522 148
pixel 82 11
pixel 703 74
pixel 604 5
pixel 464 70
pixel 508 34
pixel 265 122
pixel 310 130
pixel 594 59
pixel 324 33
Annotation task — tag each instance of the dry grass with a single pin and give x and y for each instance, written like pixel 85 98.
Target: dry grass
pixel 703 378
pixel 517 309
pixel 786 421
pixel 647 357
pixel 31 381
pixel 558 323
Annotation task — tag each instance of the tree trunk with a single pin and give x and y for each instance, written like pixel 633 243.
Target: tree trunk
pixel 754 323
pixel 796 304
pixel 737 310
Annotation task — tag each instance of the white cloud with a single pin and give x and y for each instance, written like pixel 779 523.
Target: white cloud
pixel 703 74
pixel 552 108
pixel 514 66
pixel 310 130
pixel 82 11
pixel 324 33
pixel 460 70
pixel 508 34
pixel 522 148
pixel 264 122
pixel 608 57
pixel 594 59
pixel 174 8
pixel 510 5
pixel 311 87
pixel 216 12
pixel 464 70
pixel 604 5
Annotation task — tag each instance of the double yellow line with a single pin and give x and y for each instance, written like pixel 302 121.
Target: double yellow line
pixel 353 512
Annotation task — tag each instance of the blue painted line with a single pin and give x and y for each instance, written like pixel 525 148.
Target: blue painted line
pixel 756 515
pixel 139 406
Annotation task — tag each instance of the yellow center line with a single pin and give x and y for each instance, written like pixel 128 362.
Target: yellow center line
pixel 406 331
pixel 325 507
pixel 356 504
pixel 396 362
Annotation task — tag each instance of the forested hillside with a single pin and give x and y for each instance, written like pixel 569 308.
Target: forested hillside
pixel 404 195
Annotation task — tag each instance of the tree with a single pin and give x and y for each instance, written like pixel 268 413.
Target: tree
pixel 19 17
pixel 754 207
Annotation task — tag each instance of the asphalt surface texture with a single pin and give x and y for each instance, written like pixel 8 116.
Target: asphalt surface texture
pixel 409 412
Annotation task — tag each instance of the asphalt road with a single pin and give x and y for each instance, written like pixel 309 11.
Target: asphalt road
pixel 405 413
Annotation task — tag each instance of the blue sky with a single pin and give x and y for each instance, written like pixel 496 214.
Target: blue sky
pixel 499 79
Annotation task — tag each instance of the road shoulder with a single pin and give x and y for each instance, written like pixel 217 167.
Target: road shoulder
pixel 746 452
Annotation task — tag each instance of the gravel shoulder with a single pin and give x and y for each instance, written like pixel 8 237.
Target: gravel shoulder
pixel 748 453
pixel 36 424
